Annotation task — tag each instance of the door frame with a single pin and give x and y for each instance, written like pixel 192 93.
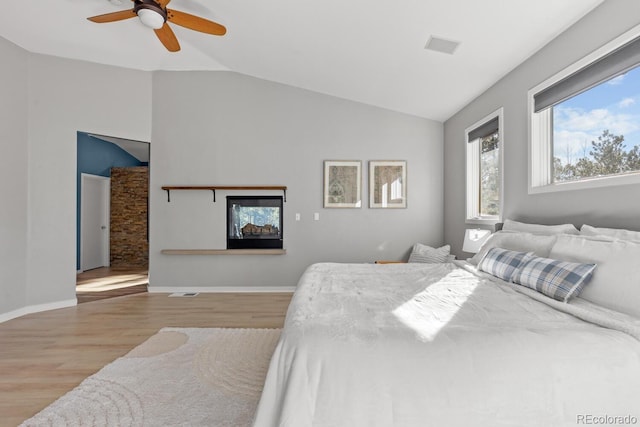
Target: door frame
pixel 106 219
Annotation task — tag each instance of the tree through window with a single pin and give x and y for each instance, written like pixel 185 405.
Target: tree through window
pixel 490 175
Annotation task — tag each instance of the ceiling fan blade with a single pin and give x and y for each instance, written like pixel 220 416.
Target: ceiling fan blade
pixel 163 3
pixel 168 38
pixel 195 23
pixel 114 16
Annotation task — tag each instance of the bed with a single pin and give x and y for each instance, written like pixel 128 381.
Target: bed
pixel 448 344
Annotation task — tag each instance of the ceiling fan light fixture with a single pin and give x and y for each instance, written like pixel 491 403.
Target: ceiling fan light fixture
pixel 151 18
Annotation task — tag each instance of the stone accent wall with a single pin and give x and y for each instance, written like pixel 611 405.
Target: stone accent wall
pixel 129 207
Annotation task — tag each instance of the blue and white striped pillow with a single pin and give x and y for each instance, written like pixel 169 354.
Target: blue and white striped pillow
pixel 502 263
pixel 560 280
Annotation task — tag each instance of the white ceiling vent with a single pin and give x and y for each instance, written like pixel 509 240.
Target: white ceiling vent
pixel 441 45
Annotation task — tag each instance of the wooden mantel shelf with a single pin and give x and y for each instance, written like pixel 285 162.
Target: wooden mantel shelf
pixel 213 188
pixel 223 251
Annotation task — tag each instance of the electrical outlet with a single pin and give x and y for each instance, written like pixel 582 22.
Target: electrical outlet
pixel 316 216
pixel 297 217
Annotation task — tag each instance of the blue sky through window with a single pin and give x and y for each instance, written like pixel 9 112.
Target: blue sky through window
pixel 613 105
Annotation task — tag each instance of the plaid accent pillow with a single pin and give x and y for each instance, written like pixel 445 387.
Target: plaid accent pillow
pixel 502 263
pixel 560 280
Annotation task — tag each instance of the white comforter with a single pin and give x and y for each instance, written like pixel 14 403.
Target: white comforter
pixel 437 345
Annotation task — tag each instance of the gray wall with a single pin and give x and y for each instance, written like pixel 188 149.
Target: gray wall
pixel 66 96
pixel 204 125
pixel 223 128
pixel 13 176
pixel 45 101
pixel 608 207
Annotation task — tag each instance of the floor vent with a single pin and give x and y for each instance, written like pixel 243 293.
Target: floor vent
pixel 184 294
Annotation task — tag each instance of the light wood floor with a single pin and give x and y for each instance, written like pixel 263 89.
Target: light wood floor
pixel 44 355
pixel 109 282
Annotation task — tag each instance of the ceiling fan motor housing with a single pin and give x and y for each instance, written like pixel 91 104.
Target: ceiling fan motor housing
pixel 150 13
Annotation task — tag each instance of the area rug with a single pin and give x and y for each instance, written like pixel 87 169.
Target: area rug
pixel 178 377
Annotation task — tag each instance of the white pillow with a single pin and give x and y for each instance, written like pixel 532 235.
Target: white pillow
pixel 540 245
pixel 510 225
pixel 616 280
pixel 427 254
pixel 616 233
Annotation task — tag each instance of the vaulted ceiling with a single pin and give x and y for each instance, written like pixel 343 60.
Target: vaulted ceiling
pixel 370 51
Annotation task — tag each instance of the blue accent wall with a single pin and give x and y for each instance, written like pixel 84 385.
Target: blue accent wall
pixel 97 157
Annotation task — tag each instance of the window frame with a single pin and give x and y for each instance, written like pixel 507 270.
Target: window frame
pixel 540 130
pixel 472 172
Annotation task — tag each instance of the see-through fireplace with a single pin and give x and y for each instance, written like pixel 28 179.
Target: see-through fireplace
pixel 254 222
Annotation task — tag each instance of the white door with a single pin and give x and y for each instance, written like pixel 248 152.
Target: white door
pixel 94 221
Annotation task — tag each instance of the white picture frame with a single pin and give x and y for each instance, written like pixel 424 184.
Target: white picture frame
pixel 342 184
pixel 388 184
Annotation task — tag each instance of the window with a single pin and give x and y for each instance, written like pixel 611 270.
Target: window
pixel 585 121
pixel 484 169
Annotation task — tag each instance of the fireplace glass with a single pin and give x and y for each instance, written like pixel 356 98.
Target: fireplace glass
pixel 254 222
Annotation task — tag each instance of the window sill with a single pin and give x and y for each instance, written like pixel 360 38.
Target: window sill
pixel 603 181
pixel 484 221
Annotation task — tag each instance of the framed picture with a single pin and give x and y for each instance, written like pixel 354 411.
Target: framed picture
pixel 388 184
pixel 342 184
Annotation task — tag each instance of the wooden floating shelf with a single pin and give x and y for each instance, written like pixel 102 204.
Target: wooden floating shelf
pixel 213 188
pixel 223 251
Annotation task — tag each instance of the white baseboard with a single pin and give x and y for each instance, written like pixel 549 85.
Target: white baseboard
pixel 37 308
pixel 220 289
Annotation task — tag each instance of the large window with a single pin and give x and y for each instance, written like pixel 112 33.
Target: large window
pixel 484 169
pixel 585 121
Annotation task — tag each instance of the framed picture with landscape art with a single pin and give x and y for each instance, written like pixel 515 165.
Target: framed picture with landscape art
pixel 342 184
pixel 387 184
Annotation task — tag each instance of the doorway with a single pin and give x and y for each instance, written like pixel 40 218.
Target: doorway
pixel 112 216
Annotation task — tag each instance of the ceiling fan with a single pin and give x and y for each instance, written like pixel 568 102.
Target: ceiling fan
pixel 154 14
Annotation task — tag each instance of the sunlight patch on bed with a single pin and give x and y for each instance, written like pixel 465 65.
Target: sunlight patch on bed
pixel 430 310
